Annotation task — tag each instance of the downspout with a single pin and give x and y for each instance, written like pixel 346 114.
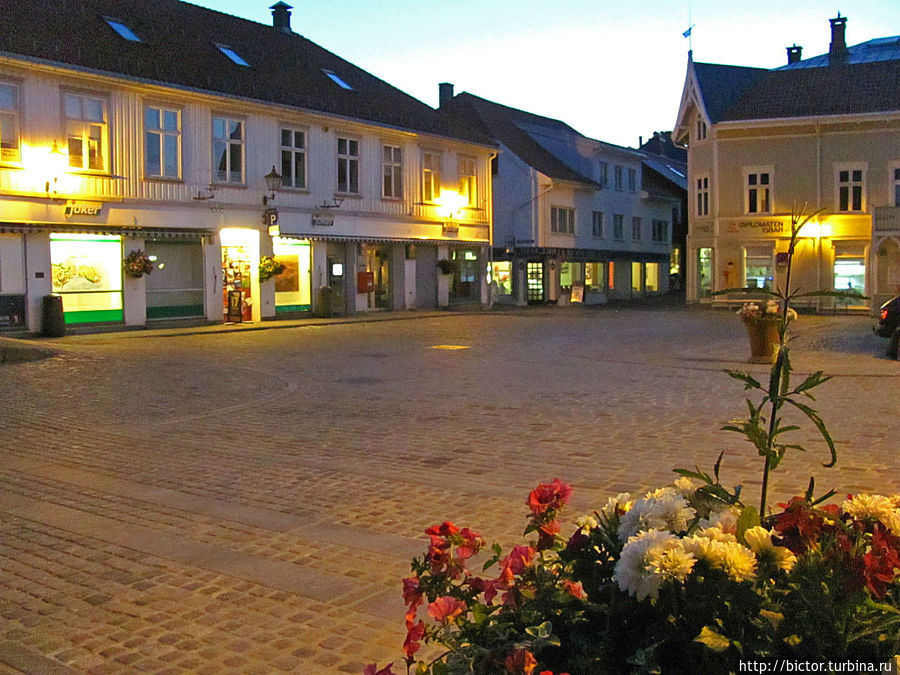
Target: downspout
pixel 818 206
pixel 490 210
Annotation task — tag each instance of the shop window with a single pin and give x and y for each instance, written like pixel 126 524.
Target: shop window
pixel 175 287
pixel 570 273
pixel 651 277
pixel 704 272
pixel 759 267
pixel 87 131
pixel 162 142
pixel 850 266
pixel 593 277
pixel 293 285
pixel 9 123
pixel 611 278
pixel 228 150
pixel 348 165
pixel 501 277
pixel 636 277
pixel 87 273
pixel 851 193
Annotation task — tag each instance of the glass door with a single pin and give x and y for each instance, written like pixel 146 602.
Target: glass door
pixel 704 272
pixel 535 281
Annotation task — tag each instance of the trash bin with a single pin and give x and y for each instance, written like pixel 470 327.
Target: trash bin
pixel 324 308
pixel 53 321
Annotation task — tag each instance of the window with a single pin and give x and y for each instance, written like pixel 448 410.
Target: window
pixel 603 174
pixel 660 231
pixel 619 176
pixel 86 270
pixel 701 129
pixel 618 226
pixel 758 190
pixel 468 184
pixel 593 276
pixel 123 30
pixel 703 196
pixel 348 165
pixel 704 272
pixel 391 172
pixel 632 180
pixel 759 268
pixel 636 277
pixel 293 158
pixel 431 176
pixel 850 266
pixel 9 123
pixel 851 188
pixel 87 132
pixel 228 150
pixel 896 190
pixel 597 224
pixel 651 277
pixel 562 220
pixel 337 79
pixel 636 228
pixel 233 55
pixel 162 142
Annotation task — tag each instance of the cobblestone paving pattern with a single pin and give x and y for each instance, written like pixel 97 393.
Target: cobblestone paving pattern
pixel 178 501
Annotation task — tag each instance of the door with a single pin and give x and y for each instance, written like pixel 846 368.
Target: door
pixel 534 277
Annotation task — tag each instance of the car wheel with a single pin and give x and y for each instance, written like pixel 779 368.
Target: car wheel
pixel 894 345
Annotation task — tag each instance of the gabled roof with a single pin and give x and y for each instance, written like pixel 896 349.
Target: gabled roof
pixel 721 86
pixel 179 46
pixel 505 125
pixel 879 49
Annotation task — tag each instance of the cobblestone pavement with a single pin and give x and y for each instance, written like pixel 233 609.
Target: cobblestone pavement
pixel 248 501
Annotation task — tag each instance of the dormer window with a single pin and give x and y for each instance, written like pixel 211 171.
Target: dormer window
pixel 123 30
pixel 701 129
pixel 337 79
pixel 233 55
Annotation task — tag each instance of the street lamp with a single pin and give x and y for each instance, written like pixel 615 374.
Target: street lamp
pixel 273 182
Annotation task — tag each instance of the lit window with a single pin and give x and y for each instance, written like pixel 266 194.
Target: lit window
pixel 162 142
pixel 293 158
pixel 228 150
pixel 758 190
pixel 562 220
pixel 391 172
pixel 348 165
pixel 9 123
pixel 851 188
pixel 759 266
pixel 468 184
pixel 337 79
pixel 431 176
pixel 87 132
pixel 123 30
pixel 233 55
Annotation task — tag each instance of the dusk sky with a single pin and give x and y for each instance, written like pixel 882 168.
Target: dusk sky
pixel 613 71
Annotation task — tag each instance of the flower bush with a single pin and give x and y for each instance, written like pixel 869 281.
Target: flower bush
pixel 136 264
pixel 269 268
pixel 684 578
pixel 770 309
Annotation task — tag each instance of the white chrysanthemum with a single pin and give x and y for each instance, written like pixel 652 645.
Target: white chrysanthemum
pixel 874 507
pixel 716 533
pixel 647 560
pixel 725 520
pixel 686 486
pixel 759 540
pixel 662 509
pixel 621 501
pixel 737 561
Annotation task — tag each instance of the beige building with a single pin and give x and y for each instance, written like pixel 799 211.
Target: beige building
pixel 820 133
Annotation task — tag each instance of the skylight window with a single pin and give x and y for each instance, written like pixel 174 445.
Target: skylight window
pixel 336 79
pixel 233 55
pixel 123 30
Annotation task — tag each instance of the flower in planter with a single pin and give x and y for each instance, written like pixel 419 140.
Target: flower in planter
pixel 269 268
pixel 751 311
pixel 136 264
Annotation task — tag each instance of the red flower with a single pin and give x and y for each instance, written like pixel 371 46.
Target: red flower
pixel 548 496
pixel 881 562
pixel 414 633
pixel 547 535
pixel 371 670
pixel 480 585
pixel 575 589
pixel 520 661
pixel 412 592
pixel 515 563
pixel 446 608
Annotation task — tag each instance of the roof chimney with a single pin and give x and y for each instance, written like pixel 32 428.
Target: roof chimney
pixel 794 54
pixel 445 93
pixel 281 16
pixel 837 51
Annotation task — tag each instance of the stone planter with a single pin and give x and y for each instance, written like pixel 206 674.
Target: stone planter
pixel 763 334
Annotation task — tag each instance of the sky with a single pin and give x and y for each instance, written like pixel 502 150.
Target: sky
pixel 612 70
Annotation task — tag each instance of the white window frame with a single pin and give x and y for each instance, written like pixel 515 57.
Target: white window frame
pixel 11 121
pixel 759 189
pixel 468 179
pixel 348 174
pixel 758 251
pixel 228 143
pixel 637 224
pixel 431 176
pixel 86 130
pixel 289 154
pixel 847 187
pixel 562 219
pixel 894 184
pixel 603 174
pixel 391 171
pixel 161 135
pixel 597 224
pixel 702 192
pixel 619 226
pixel 701 129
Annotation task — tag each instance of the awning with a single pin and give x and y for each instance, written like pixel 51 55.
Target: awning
pixel 381 240
pixel 122 231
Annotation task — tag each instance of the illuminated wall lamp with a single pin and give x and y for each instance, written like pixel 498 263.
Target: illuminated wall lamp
pixel 56 164
pixel 449 203
pixel 273 183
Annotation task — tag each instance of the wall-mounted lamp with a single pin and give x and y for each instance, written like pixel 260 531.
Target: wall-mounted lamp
pixel 56 164
pixel 449 203
pixel 273 183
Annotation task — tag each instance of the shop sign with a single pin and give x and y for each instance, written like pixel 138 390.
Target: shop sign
pixel 322 220
pixel 270 220
pixel 83 209
pixel 771 226
pixel 449 227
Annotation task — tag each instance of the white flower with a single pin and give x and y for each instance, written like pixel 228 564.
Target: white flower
pixel 725 519
pixel 759 540
pixel 874 507
pixel 662 509
pixel 737 561
pixel 587 523
pixel 648 559
pixel 686 486
pixel 621 501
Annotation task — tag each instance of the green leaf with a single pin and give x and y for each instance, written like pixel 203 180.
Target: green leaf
pixel 713 640
pixel 749 518
pixel 717 465
pixel 543 631
pixel 749 381
pixel 698 474
pixel 820 425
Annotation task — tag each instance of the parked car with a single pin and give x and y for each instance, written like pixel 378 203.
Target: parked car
pixel 889 325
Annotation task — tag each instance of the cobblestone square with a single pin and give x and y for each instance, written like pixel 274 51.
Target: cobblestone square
pixel 224 501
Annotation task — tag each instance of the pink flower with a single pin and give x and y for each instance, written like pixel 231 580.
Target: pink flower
pixel 446 608
pixel 574 589
pixel 412 592
pixel 548 496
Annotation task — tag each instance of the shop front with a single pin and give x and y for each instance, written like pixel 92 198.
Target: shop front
pixel 175 287
pixel 293 287
pixel 12 282
pixel 465 285
pixel 240 256
pixel 86 270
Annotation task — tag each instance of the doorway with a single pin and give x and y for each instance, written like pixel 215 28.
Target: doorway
pixel 534 278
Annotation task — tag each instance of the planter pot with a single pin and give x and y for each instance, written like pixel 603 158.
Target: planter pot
pixel 763 334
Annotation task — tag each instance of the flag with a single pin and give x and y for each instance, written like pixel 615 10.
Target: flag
pixel 687 33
